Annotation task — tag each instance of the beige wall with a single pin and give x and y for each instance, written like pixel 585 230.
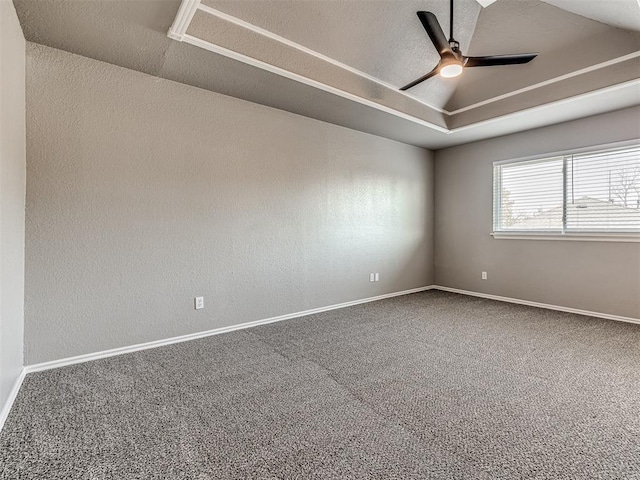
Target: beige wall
pixel 144 193
pixel 12 193
pixel 596 276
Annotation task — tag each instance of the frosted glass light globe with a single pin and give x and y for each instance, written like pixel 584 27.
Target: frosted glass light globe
pixel 451 70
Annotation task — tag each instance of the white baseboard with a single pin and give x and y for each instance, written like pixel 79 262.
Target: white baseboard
pixel 618 318
pixel 6 408
pixel 4 413
pixel 38 367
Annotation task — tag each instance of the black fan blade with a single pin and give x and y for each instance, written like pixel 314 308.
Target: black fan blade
pixel 421 79
pixel 431 25
pixel 496 60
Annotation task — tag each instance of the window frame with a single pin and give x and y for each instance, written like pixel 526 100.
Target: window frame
pixel 557 234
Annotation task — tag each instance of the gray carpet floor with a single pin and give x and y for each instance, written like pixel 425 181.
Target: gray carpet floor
pixel 430 385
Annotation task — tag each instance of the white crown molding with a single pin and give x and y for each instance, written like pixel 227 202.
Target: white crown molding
pixel 217 331
pixel 6 408
pixel 579 97
pixel 198 42
pixel 313 53
pixel 183 18
pixel 551 81
pixel 266 33
pixel 189 7
pixel 314 83
pixel 548 306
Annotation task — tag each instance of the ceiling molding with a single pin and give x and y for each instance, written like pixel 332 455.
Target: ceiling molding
pixel 313 83
pixel 183 18
pixel 308 51
pixel 555 103
pixel 189 7
pixel 551 81
pixel 307 81
pixel 380 40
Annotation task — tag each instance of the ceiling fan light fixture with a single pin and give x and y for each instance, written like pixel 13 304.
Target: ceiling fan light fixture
pixel 452 61
pixel 450 69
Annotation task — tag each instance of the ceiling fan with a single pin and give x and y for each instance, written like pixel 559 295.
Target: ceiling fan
pixel 452 61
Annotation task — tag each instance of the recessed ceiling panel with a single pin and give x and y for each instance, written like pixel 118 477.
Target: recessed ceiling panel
pixel 341 61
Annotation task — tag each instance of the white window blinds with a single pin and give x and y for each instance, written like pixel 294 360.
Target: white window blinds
pixel 596 192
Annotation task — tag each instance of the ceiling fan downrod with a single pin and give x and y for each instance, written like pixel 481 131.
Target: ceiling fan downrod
pixel 455 46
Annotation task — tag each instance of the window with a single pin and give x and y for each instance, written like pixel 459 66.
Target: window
pixel 583 193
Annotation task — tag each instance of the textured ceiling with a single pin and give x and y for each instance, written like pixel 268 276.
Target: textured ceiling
pixel 342 45
pixel 617 13
pixel 342 61
pixel 382 38
pixel 565 43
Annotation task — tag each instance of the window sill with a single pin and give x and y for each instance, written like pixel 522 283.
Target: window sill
pixel 580 237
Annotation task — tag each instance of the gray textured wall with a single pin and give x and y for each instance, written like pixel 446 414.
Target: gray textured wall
pixel 12 192
pixel 595 276
pixel 144 193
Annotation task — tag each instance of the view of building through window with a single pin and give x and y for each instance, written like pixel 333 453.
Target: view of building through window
pixel 591 192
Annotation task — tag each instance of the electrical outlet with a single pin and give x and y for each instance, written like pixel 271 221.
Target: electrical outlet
pixel 484 275
pixel 199 303
pixel 372 277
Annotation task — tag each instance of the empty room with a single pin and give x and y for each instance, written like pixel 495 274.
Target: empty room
pixel 320 239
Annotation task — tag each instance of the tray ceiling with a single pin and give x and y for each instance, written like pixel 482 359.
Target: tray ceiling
pixel 343 61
